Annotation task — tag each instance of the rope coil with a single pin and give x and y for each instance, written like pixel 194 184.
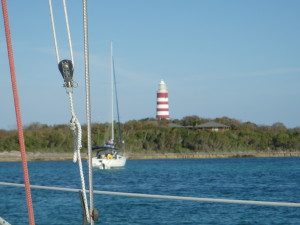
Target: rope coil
pixel 76 128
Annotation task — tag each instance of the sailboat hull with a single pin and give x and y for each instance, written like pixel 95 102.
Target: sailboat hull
pixel 107 163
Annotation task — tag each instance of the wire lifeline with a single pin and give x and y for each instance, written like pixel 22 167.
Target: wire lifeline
pixel 167 197
pixel 18 113
pixel 88 108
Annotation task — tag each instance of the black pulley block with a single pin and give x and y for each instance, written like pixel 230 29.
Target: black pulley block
pixel 66 69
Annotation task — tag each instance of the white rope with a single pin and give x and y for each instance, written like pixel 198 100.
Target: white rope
pixel 76 128
pixel 53 30
pixel 68 31
pixel 88 108
pixel 74 123
pixel 166 197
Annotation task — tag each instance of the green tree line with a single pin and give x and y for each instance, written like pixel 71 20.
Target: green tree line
pixel 150 135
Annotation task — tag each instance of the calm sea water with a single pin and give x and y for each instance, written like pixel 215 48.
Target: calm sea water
pixel 265 179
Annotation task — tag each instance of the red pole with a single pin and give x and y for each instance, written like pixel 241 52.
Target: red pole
pixel 18 114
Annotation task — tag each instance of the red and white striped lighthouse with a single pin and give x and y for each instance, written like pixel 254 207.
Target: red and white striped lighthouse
pixel 162 108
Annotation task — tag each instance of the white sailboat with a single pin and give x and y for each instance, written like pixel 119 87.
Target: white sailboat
pixel 108 156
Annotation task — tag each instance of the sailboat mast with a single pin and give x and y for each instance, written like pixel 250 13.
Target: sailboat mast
pixel 112 91
pixel 117 106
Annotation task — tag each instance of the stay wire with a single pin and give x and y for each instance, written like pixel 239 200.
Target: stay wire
pixel 88 108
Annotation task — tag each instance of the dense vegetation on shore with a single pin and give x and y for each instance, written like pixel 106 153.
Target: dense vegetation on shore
pixel 150 135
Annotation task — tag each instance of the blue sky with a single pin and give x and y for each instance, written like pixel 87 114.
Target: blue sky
pixel 235 58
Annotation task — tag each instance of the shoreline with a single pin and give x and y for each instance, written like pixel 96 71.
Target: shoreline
pixel 15 156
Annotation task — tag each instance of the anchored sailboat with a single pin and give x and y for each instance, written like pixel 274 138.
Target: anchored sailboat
pixel 108 156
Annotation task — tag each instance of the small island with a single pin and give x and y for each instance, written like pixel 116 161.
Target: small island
pixel 189 137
